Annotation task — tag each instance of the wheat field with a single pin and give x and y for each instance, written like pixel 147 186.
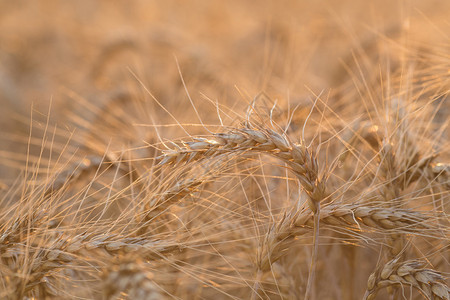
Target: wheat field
pixel 224 149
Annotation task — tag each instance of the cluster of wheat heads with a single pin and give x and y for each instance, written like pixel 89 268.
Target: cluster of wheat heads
pixel 345 196
pixel 252 210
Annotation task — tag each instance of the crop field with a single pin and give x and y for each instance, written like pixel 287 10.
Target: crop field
pixel 224 149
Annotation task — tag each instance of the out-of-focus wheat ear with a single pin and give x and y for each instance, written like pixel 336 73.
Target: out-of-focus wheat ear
pixel 277 284
pixel 441 171
pixel 35 266
pixel 44 261
pixel 77 170
pixel 22 225
pixel 161 203
pixel 129 277
pixel 360 133
pixel 388 172
pixel 3 186
pixel 390 190
pixel 429 283
pixel 115 244
pixel 108 52
pixel 22 265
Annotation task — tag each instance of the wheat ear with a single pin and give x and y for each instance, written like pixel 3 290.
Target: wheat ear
pixel 410 273
pixel 351 217
pixel 129 277
pixel 298 157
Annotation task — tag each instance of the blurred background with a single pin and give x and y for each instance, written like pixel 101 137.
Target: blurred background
pixel 112 53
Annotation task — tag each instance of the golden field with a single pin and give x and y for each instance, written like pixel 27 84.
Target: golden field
pixel 224 149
